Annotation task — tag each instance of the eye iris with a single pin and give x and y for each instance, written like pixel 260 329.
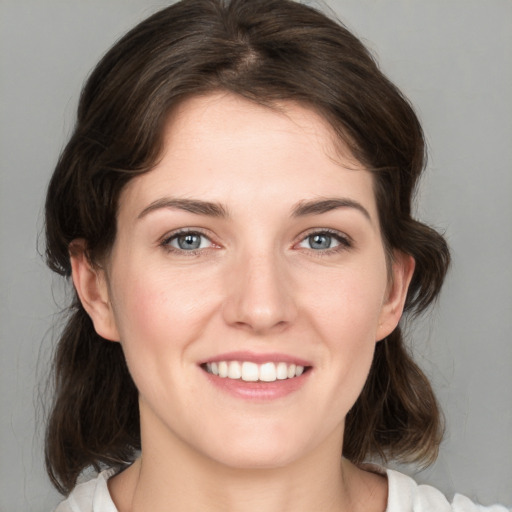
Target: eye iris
pixel 320 241
pixel 189 242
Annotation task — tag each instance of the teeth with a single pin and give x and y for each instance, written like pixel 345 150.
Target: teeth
pixel 223 369
pixel 234 370
pixel 252 372
pixel 282 371
pixel 268 372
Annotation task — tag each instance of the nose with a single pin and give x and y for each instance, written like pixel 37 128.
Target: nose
pixel 260 295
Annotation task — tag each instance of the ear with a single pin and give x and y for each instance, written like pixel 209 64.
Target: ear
pixel 402 270
pixel 92 289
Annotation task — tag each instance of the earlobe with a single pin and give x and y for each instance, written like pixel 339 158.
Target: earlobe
pixel 91 286
pixel 401 274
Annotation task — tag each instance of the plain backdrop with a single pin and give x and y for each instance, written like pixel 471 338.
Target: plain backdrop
pixel 452 58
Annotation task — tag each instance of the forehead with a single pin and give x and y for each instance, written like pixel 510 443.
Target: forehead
pixel 221 147
pixel 234 119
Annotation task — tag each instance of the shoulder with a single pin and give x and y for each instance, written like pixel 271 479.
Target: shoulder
pixel 91 496
pixel 405 495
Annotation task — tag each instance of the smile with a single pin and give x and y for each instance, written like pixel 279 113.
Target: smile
pixel 252 372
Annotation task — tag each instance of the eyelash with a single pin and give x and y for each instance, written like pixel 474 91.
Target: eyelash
pixel 344 242
pixel 166 242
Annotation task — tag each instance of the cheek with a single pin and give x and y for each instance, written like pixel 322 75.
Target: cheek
pixel 346 317
pixel 158 310
pixel 348 303
pixel 158 319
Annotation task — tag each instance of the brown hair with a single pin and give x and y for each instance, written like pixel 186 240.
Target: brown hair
pixel 266 51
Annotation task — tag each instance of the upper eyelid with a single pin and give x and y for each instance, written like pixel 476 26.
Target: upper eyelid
pixel 165 242
pixel 185 231
pixel 329 231
pixel 345 243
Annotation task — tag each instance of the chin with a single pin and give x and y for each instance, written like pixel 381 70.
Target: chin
pixel 257 450
pixel 261 458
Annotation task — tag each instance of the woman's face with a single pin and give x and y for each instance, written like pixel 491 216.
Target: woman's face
pixel 251 250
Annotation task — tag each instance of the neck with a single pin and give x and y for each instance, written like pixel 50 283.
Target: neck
pixel 171 476
pixel 182 485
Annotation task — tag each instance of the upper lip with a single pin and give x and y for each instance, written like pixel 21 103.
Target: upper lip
pixel 258 358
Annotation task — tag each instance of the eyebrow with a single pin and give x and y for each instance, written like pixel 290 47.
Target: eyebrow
pixel 210 209
pixel 317 207
pixel 189 205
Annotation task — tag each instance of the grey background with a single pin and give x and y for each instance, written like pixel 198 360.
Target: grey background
pixel 453 58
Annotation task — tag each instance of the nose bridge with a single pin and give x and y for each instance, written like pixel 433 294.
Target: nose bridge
pixel 260 295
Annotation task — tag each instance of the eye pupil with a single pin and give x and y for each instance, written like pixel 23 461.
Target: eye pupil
pixel 189 242
pixel 320 241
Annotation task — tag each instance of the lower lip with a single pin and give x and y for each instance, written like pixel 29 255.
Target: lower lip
pixel 259 391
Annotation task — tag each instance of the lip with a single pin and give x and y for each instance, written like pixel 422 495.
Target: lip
pixel 257 358
pixel 258 391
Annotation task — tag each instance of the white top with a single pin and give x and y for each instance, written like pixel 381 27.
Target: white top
pixel 404 495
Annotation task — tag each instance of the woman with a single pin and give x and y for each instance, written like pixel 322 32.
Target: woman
pixel 234 208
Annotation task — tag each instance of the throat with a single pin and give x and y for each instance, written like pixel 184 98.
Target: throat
pixel 234 490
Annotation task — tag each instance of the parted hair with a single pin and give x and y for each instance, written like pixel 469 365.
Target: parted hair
pixel 267 51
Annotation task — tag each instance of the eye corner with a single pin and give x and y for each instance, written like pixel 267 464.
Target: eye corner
pixel 188 242
pixel 325 238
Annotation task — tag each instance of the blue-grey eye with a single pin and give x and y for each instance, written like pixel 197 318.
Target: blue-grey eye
pixel 320 241
pixel 189 241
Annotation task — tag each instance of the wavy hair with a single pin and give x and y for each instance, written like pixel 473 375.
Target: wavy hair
pixel 267 51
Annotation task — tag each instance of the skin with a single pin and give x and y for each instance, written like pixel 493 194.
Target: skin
pixel 255 284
